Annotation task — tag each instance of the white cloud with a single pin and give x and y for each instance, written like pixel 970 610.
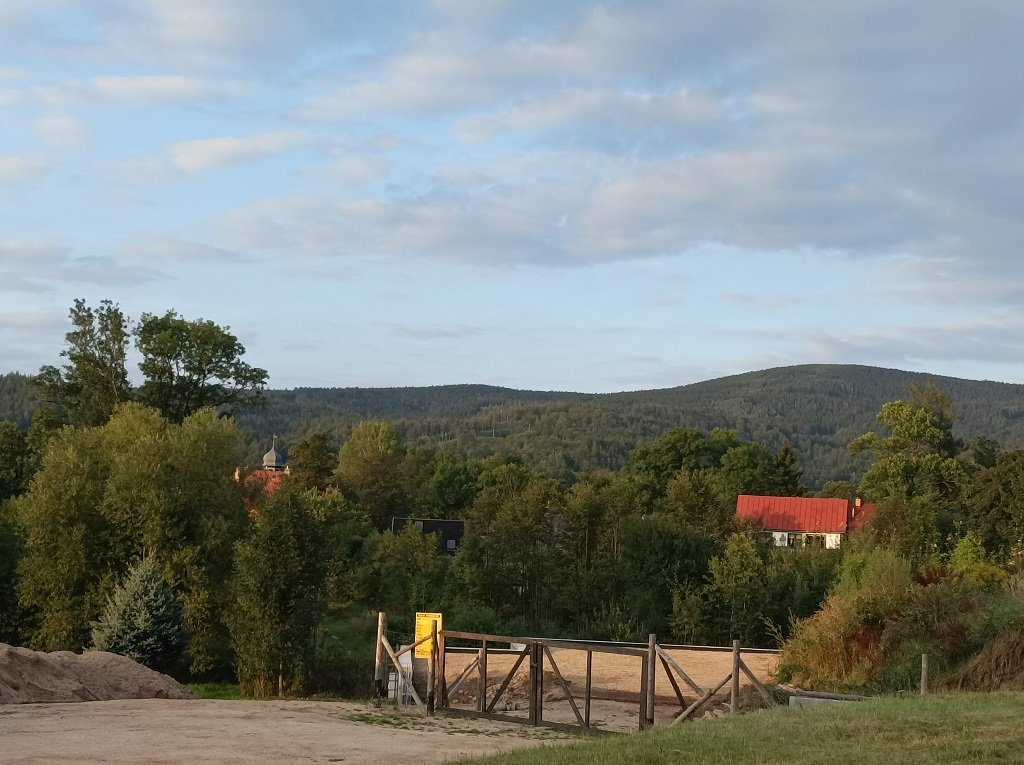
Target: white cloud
pixel 62 130
pixel 206 153
pixel 10 96
pixel 632 113
pixel 173 251
pixel 150 87
pixel 15 167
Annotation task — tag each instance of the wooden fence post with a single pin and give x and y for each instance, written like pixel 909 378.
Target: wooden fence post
pixel 481 701
pixel 652 671
pixel 432 669
pixel 379 673
pixel 924 674
pixel 734 696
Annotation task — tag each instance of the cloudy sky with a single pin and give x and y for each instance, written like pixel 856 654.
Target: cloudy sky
pixel 549 195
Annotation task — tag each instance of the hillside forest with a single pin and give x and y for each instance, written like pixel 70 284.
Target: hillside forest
pixel 124 525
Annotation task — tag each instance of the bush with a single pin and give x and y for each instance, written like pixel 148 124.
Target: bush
pixel 143 620
pixel 834 648
pixel 340 672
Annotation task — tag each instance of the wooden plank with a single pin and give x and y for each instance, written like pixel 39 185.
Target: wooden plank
pixel 432 670
pixel 596 647
pixel 794 691
pixel 442 681
pixel 412 688
pixel 533 704
pixel 679 670
pixel 479 636
pixel 734 692
pixel 757 683
pixel 587 692
pixel 379 673
pixel 481 698
pixel 565 687
pixel 672 681
pixel 412 647
pixel 652 676
pixel 508 679
pixel 540 681
pixel 462 676
pixel 702 700
pixel 642 723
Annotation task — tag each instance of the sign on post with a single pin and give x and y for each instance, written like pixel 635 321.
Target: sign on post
pixel 423 621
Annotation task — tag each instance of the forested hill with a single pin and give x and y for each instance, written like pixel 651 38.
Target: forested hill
pixel 818 408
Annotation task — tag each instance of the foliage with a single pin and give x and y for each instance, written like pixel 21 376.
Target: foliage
pixel 279 588
pixel 95 379
pixel 190 365
pixel 136 486
pixel 312 460
pixel 12 617
pixel 142 620
pixel 406 574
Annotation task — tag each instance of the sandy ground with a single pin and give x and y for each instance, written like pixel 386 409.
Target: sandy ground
pixel 161 731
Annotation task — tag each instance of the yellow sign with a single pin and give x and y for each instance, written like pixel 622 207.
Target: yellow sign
pixel 423 622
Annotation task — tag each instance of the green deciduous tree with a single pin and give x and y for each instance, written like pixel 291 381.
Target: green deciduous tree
pixel 915 459
pixel 95 379
pixel 189 365
pixel 312 461
pixel 143 620
pixel 280 587
pixel 369 471
pixel 137 486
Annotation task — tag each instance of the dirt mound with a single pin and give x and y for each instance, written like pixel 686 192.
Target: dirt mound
pixel 998 667
pixel 33 677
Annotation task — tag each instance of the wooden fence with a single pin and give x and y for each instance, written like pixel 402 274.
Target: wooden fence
pixel 437 692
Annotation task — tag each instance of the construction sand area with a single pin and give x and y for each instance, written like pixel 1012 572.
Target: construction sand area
pixel 615 684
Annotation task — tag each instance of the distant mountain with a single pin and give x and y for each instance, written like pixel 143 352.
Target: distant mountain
pixel 819 409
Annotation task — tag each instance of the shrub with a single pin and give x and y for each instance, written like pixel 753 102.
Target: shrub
pixel 143 620
pixel 832 649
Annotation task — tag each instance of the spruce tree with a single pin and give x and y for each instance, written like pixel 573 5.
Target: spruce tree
pixel 142 620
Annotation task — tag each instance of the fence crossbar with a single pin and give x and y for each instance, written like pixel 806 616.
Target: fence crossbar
pixel 454 687
pixel 679 670
pixel 757 683
pixel 508 678
pixel 414 646
pixel 408 677
pixel 703 699
pixel 565 687
pixel 672 681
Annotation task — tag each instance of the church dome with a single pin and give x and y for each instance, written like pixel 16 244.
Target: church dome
pixel 273 460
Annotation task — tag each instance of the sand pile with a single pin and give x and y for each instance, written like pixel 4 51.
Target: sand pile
pixel 33 677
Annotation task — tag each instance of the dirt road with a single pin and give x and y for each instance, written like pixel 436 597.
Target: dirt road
pixel 160 731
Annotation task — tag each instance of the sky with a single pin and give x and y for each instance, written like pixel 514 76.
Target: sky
pixel 547 195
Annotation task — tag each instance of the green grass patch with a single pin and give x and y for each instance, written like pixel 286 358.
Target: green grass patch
pixel 954 728
pixel 227 691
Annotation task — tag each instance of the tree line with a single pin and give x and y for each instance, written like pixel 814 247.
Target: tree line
pixel 146 502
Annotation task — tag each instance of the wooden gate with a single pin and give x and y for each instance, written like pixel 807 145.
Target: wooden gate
pixel 536 654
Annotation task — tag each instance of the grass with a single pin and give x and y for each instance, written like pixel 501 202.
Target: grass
pixel 224 691
pixel 913 730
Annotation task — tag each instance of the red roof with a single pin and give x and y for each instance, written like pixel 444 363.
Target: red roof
pixel 803 514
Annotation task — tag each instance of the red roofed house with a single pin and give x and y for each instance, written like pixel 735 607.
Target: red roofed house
pixel 804 521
